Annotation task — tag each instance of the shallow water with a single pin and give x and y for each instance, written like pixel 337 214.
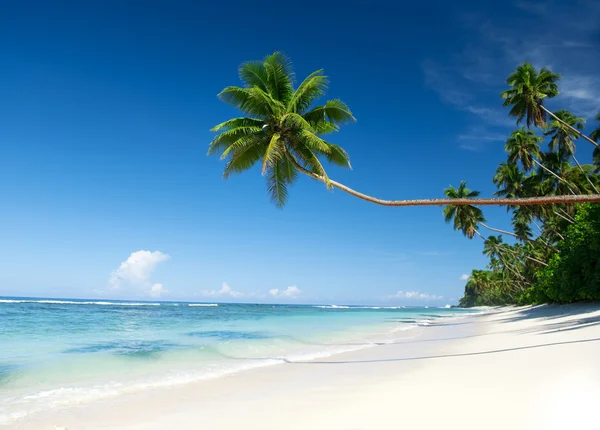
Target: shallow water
pixel 58 352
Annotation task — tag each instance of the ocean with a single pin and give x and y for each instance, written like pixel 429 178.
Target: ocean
pixel 57 352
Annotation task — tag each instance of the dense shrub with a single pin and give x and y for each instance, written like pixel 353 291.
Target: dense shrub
pixel 574 273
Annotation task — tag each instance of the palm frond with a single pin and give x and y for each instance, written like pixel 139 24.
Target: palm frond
pixel 313 87
pixel 254 74
pixel 310 161
pixel 243 159
pixel 238 122
pixel 334 112
pixel 253 101
pixel 226 138
pixel 276 185
pixel 273 153
pixel 241 143
pixel 279 77
pixel 338 156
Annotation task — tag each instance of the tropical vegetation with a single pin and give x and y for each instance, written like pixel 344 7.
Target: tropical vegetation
pixel 552 199
pixel 286 132
pixel 556 254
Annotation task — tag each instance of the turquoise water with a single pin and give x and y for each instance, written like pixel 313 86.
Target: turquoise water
pixel 57 352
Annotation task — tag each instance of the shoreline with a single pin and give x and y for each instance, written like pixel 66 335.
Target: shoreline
pixel 503 361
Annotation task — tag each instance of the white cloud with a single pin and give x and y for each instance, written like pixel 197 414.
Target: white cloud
pixel 464 277
pixel 135 273
pixel 290 292
pixel 156 290
pixel 137 268
pixel 225 291
pixel 415 295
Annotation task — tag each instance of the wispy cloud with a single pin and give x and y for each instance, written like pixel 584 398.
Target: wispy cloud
pixel 415 295
pixel 135 273
pixel 464 277
pixel 289 292
pixel 561 35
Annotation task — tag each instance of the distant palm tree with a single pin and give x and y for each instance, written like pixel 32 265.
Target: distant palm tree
pixel 528 90
pixel 491 247
pixel 523 146
pixel 562 138
pixel 554 173
pixel 283 132
pixel 522 219
pixel 466 218
pixel 510 180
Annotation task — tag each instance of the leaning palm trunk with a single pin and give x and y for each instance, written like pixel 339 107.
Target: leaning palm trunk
pixel 514 254
pixel 508 266
pixel 523 238
pixel 573 129
pixel 585 174
pixel 525 201
pixel 555 175
pixel 565 216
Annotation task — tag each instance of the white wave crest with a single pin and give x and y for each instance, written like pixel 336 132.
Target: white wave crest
pixel 332 307
pixel 68 302
pixel 203 304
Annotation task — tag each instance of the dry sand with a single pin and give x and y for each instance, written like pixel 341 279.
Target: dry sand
pixel 513 368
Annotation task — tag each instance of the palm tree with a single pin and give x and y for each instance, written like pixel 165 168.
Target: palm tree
pixel 465 218
pixel 491 247
pixel 554 174
pixel 280 129
pixel 528 89
pixel 510 181
pixel 562 138
pixel 523 146
pixel 522 219
pixel 283 131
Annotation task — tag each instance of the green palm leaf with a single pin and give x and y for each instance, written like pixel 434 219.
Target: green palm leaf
pixel 273 153
pixel 311 89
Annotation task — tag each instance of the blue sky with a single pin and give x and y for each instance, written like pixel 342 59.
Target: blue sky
pixel 106 189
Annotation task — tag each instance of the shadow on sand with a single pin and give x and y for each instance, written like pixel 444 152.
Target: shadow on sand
pixel 546 314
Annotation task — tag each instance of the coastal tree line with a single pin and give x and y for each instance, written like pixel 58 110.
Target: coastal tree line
pixel 550 196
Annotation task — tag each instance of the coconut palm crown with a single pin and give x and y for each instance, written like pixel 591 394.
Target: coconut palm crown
pixel 523 146
pixel 467 217
pixel 281 129
pixel 528 89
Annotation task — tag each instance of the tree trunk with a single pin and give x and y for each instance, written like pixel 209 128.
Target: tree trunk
pixel 525 201
pixel 508 266
pixel 571 128
pixel 529 257
pixel 585 174
pixel 525 239
pixel 554 174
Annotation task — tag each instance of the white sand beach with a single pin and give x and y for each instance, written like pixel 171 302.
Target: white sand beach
pixel 513 368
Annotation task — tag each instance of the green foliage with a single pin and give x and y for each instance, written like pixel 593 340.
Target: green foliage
pixel 281 130
pixel 559 257
pixel 574 274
